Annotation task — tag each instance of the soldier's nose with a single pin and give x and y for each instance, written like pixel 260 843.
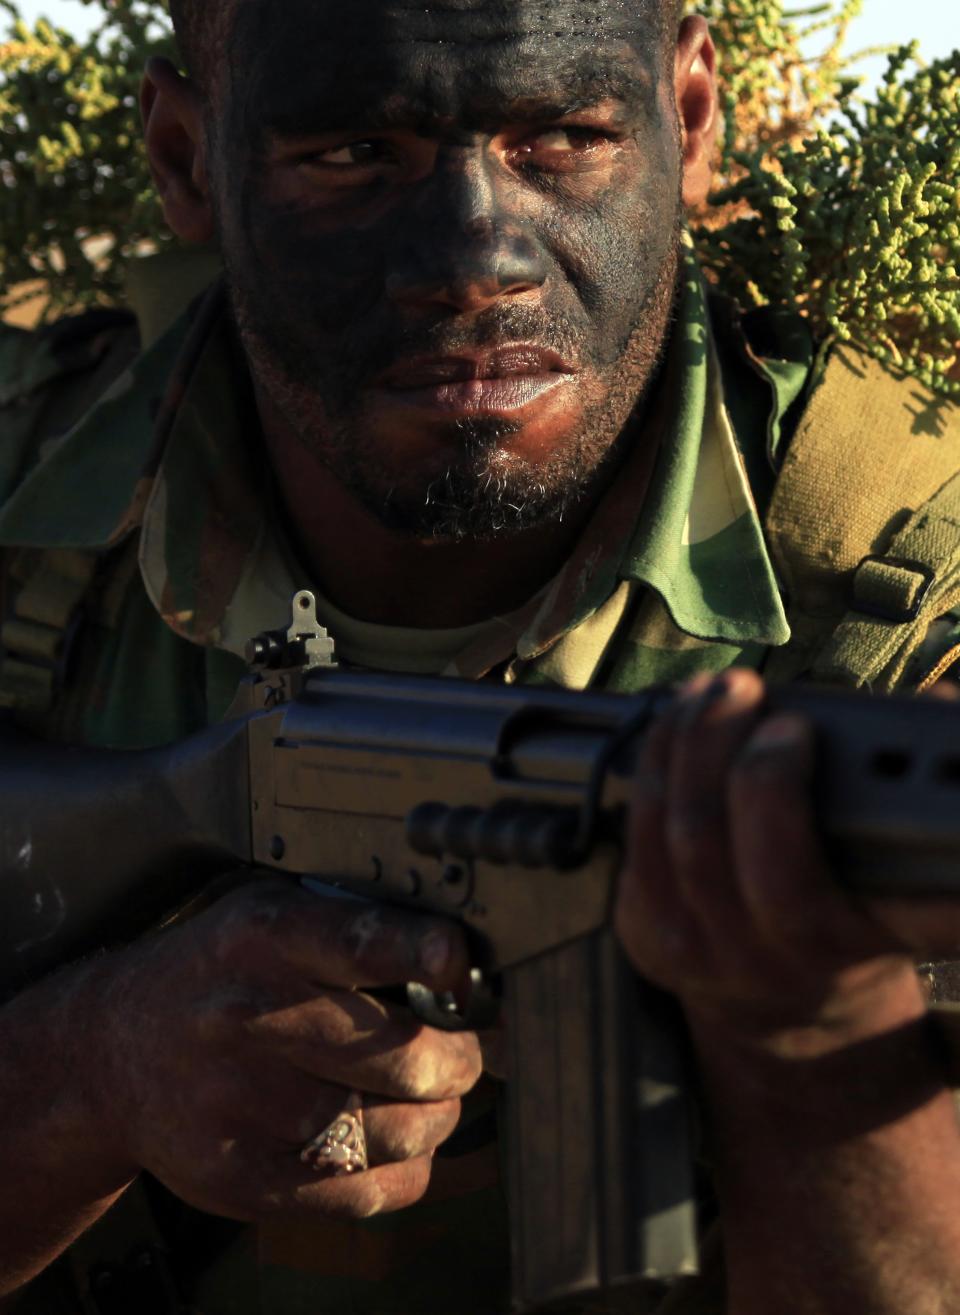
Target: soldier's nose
pixel 468 251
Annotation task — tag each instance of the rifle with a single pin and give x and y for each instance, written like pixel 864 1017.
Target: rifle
pixel 501 807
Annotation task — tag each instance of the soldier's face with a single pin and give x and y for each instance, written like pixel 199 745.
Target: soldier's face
pixel 451 231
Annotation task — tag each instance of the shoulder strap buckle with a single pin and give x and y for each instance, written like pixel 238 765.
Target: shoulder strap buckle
pixel 891 588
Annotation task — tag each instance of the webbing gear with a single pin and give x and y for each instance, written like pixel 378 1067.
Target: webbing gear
pixel 896 596
pixel 46 591
pixel 864 524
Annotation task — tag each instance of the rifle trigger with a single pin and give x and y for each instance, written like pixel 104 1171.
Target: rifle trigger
pixel 482 1009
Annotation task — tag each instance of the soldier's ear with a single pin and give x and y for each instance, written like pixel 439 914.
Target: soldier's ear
pixel 697 107
pixel 173 125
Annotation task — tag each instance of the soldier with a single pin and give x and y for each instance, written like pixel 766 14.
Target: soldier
pixel 463 378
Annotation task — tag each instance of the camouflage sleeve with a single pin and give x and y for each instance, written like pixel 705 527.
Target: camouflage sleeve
pixel 50 377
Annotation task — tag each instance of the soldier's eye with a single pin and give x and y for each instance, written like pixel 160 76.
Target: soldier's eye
pixel 562 147
pixel 566 139
pixel 350 156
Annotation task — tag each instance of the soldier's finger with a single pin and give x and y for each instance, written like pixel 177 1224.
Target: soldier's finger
pixel 291 1108
pixel 406 1132
pixel 650 920
pixel 784 877
pixel 333 941
pixel 947 691
pixel 367 1045
pixel 254 1186
pixel 381 1190
pixel 645 831
pixel 395 1132
pixel 927 925
pixel 716 725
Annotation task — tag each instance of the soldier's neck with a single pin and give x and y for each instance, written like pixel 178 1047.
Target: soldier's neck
pixel 378 575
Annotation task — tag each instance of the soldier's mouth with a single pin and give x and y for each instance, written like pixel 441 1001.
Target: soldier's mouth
pixel 497 382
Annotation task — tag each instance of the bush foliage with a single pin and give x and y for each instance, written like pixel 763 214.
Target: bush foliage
pixel 849 211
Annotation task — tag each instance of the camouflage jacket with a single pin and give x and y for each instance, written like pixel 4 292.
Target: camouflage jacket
pixel 191 563
pixel 159 490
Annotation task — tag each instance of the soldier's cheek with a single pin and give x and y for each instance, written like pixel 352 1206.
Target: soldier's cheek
pixel 612 251
pixel 306 263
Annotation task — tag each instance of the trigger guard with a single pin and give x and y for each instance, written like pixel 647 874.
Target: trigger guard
pixel 440 1011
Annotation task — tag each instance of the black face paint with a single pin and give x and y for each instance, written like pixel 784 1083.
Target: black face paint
pixel 451 235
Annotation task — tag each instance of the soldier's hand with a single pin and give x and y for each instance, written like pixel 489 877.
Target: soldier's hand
pixel 240 1035
pixel 727 900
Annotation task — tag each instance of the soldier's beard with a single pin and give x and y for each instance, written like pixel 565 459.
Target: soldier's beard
pixel 488 489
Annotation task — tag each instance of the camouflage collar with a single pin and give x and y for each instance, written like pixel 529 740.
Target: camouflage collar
pixel 698 540
pixel 167 451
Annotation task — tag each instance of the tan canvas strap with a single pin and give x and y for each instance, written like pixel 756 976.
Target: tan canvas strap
pixel 45 591
pixel 861 524
pixel 895 597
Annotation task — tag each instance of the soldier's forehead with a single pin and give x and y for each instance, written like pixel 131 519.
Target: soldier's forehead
pixel 460 20
pixel 445 56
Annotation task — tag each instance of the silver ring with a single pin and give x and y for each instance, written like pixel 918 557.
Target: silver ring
pixel 342 1146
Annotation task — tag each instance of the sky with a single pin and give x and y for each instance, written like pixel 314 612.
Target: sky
pixel 884 22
